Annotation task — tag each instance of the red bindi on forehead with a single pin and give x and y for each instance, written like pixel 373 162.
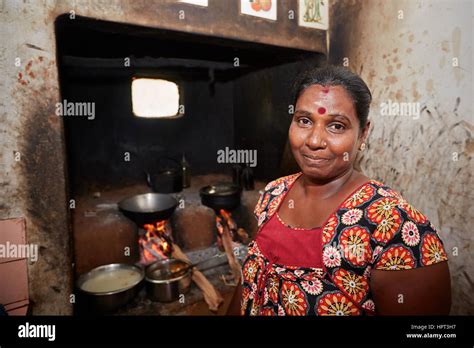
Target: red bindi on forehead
pixel 325 90
pixel 321 110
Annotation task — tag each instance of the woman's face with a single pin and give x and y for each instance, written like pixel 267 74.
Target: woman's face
pixel 325 133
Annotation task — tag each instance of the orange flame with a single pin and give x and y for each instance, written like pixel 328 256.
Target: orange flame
pixel 224 218
pixel 228 219
pixel 155 243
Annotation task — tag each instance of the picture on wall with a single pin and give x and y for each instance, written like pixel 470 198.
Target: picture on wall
pixel 313 14
pixel 259 8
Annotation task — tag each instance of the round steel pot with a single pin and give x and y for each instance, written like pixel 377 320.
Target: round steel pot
pixel 105 302
pixel 163 287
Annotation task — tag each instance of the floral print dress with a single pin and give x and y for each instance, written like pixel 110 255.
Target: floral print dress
pixel 374 228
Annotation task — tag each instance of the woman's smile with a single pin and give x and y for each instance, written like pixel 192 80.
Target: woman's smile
pixel 315 161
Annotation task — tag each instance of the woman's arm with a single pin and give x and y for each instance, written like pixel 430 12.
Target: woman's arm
pixel 421 291
pixel 234 306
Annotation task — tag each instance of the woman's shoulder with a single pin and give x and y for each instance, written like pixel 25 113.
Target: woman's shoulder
pixel 271 196
pixel 282 181
pixel 384 191
pixel 402 236
pixel 384 201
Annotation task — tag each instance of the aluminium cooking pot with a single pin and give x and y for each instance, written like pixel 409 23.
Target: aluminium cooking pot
pixel 167 279
pixel 107 300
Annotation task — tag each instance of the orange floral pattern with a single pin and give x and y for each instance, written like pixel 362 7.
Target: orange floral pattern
pixel 359 197
pixel 381 209
pixel 396 258
pixel 432 250
pixel 355 243
pixel 329 229
pixel 336 304
pixel 413 213
pixel 354 285
pixel 293 299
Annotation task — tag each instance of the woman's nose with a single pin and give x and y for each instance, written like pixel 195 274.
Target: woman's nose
pixel 315 139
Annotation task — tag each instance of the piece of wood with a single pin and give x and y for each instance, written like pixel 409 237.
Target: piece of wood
pixel 243 236
pixel 234 265
pixel 201 307
pixel 212 297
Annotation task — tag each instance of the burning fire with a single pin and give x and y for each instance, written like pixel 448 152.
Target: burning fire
pixel 156 243
pixel 224 218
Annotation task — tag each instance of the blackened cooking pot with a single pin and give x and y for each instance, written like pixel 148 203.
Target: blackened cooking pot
pixel 221 196
pixel 168 178
pixel 148 208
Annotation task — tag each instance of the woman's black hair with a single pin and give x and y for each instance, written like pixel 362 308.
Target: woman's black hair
pixel 331 75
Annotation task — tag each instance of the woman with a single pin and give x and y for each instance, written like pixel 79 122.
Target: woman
pixel 331 241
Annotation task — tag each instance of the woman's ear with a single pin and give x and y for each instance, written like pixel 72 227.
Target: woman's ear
pixel 365 132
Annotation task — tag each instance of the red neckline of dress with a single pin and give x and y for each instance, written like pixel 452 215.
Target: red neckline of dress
pixel 295 228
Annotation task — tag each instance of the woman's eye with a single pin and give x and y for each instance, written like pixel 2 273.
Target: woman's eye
pixel 337 126
pixel 304 122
